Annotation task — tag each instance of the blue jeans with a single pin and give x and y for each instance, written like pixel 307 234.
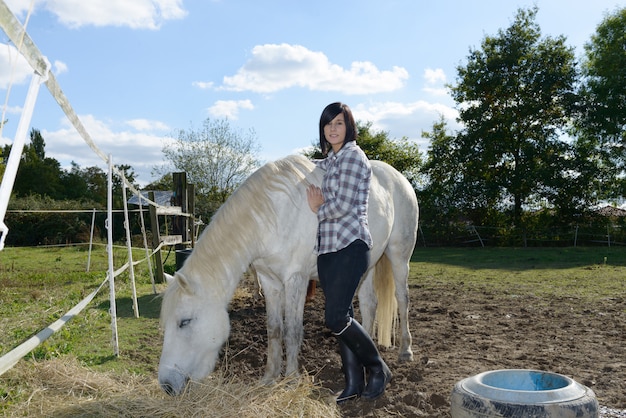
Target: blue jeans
pixel 340 273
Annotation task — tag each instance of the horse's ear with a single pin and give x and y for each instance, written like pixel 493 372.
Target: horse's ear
pixel 168 278
pixel 184 283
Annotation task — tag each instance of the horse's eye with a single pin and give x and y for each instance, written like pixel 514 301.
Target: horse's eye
pixel 184 323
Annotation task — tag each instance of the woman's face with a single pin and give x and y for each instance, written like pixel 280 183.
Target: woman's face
pixel 335 132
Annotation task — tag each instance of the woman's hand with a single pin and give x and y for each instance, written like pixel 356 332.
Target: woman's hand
pixel 314 197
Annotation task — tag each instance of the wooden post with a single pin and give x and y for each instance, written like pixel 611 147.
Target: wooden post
pixel 191 208
pixel 180 226
pixel 156 240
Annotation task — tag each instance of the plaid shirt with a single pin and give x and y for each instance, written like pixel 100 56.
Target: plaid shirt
pixel 346 186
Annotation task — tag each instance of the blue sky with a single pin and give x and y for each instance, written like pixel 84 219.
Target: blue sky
pixel 137 71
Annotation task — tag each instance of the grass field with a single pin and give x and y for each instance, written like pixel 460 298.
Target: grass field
pixel 589 272
pixel 38 285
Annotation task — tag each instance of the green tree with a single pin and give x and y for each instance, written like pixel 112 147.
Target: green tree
pixel 4 156
pixel 164 182
pixel 440 195
pixel 50 227
pixel 130 176
pixel 216 157
pixel 401 154
pixel 603 123
pixel 440 208
pixel 515 95
pixel 74 183
pixel 96 180
pixel 38 174
pixel 37 144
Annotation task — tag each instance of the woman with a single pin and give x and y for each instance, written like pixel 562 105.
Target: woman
pixel 343 245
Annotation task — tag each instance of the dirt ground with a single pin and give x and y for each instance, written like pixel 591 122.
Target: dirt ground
pixel 459 332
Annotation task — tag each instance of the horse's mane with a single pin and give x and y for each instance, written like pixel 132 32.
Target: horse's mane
pixel 242 223
pixel 252 203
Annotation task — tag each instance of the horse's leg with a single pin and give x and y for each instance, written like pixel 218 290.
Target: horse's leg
pixel 295 295
pixel 368 302
pixel 274 297
pixel 399 259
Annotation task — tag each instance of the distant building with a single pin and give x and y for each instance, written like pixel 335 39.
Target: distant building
pixel 611 212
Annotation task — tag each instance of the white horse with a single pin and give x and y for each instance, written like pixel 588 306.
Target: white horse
pixel 267 223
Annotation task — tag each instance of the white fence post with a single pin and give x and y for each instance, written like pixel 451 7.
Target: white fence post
pixel 93 224
pixel 109 225
pixel 8 179
pixel 129 245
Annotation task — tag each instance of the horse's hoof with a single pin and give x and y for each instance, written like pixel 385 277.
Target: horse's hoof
pixel 405 356
pixel 268 381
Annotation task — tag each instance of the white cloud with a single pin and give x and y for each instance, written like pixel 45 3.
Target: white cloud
pixel 59 67
pixel 277 67
pixel 436 76
pixel 136 14
pixel 13 110
pixel 436 91
pixel 140 150
pixel 203 85
pixel 19 7
pixel 406 119
pixel 5 141
pixel 147 125
pixel 229 108
pixel 435 80
pixel 13 67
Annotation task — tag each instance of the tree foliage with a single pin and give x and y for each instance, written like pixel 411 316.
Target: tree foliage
pixel 42 184
pixel 51 225
pixel 543 139
pixel 515 96
pixel 439 196
pixel 216 157
pixel 401 154
pixel 43 176
pixel 602 126
pixel 605 79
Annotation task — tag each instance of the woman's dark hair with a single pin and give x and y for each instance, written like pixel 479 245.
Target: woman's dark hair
pixel 329 113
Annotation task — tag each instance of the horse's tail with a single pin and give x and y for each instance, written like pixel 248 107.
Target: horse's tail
pixel 387 307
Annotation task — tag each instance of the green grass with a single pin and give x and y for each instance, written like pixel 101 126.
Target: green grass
pixel 584 272
pixel 39 285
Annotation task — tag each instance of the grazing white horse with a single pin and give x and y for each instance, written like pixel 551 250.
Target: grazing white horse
pixel 267 223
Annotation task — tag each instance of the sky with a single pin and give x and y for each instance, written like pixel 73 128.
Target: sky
pixel 137 72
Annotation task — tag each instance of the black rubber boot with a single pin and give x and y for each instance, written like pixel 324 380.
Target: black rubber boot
pixel 378 374
pixel 353 372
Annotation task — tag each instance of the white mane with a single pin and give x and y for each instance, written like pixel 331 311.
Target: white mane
pixel 238 229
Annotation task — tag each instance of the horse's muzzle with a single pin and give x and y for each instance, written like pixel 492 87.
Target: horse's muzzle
pixel 174 385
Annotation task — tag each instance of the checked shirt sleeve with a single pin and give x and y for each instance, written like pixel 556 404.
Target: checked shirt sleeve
pixel 343 215
pixel 344 191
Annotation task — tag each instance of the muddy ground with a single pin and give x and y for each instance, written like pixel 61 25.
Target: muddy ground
pixel 458 332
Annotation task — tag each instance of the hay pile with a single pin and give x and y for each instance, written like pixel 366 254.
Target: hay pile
pixel 64 388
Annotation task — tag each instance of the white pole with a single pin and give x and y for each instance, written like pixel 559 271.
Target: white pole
pixel 93 222
pixel 109 226
pixel 8 179
pixel 129 245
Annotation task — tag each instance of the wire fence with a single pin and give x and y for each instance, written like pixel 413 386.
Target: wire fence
pixel 489 236
pixel 42 75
